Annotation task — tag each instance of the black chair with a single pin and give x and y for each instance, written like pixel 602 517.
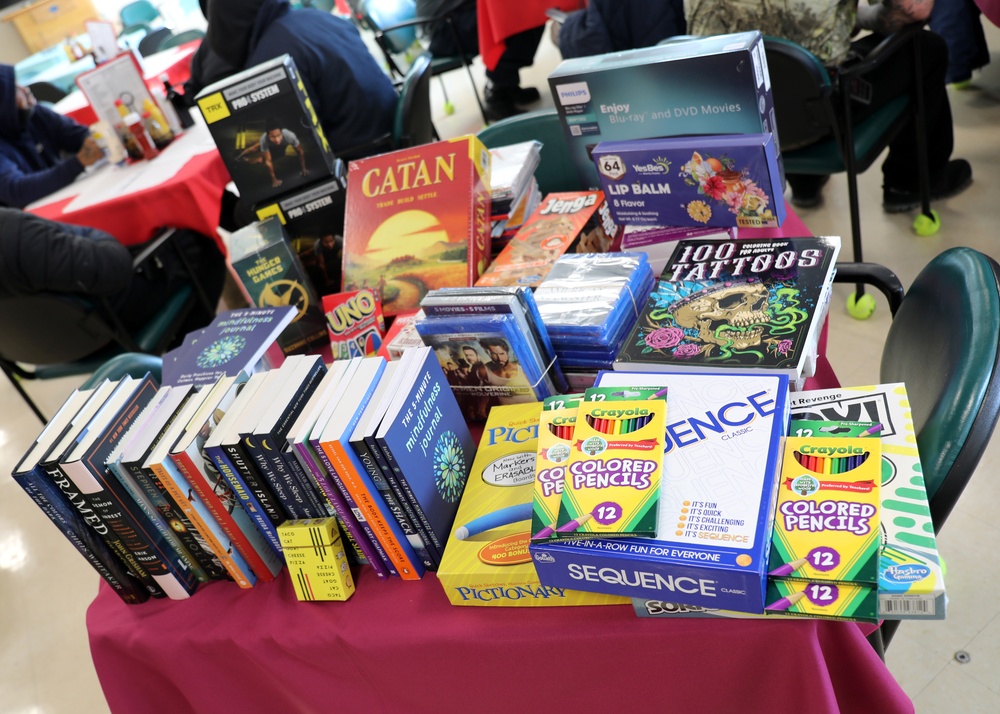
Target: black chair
pixel 943 343
pixel 181 38
pixel 395 25
pixel 813 113
pixel 52 335
pixel 555 171
pixel 413 125
pixel 150 44
pixel 46 92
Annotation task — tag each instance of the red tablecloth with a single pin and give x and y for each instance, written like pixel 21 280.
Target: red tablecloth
pixel 400 647
pixel 174 62
pixel 499 19
pixel 990 8
pixel 181 188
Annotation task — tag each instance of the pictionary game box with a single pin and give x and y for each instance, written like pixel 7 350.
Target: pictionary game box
pixel 910 579
pixel 417 219
pixel 712 85
pixel 723 181
pixel 486 560
pixel 572 222
pixel 313 217
pixel 721 463
pixel 266 129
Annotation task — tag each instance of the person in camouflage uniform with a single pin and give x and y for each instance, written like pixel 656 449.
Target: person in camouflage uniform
pixel 825 28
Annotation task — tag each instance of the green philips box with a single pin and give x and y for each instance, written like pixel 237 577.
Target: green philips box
pixel 712 85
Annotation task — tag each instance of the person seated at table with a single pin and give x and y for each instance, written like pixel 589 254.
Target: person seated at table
pixel 615 25
pixel 40 255
pixel 353 97
pixel 504 96
pixel 825 28
pixel 273 148
pixel 40 151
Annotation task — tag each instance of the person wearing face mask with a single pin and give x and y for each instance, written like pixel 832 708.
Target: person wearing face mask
pixel 40 150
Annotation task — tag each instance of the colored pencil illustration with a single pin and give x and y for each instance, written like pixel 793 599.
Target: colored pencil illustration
pixel 575 523
pixel 873 429
pixel 545 532
pixel 785 602
pixel 494 519
pixel 789 568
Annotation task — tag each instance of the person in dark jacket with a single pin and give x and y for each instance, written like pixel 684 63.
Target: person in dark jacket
pixel 615 25
pixel 40 151
pixel 38 255
pixel 353 97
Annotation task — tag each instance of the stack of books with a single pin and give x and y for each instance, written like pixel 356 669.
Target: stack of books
pixel 492 345
pixel 590 302
pixel 514 193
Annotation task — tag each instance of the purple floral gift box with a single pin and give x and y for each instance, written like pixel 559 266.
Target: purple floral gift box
pixel 723 180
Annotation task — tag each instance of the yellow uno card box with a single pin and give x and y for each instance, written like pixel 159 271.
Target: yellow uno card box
pixel 486 560
pixel 317 563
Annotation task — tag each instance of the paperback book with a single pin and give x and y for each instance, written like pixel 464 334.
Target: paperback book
pixel 752 305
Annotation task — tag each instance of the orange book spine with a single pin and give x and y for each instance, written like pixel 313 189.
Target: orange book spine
pixel 239 577
pixel 182 460
pixel 363 500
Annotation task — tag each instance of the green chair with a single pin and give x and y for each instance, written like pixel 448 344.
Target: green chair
pixel 51 335
pixel 413 125
pixel 812 106
pixel 141 11
pixel 943 343
pixel 181 38
pixel 132 364
pixel 555 170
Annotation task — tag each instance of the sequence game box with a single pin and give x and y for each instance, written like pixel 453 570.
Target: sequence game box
pixel 266 129
pixel 417 219
pixel 712 85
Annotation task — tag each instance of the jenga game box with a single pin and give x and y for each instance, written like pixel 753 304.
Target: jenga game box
pixel 313 218
pixel 575 222
pixel 417 219
pixel 267 130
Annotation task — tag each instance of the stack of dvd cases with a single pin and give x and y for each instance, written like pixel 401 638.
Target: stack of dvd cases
pixel 589 303
pixel 492 345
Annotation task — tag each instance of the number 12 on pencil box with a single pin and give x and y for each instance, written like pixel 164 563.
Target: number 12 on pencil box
pixel 612 482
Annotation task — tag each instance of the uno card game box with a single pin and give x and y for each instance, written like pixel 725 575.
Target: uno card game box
pixel 266 129
pixel 693 181
pixel 711 85
pixel 574 222
pixel 486 561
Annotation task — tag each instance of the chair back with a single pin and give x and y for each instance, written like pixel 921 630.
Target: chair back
pixel 413 125
pixel 379 14
pixel 802 94
pixel 132 364
pixel 181 38
pixel 141 11
pixel 153 40
pixel 46 92
pixel 73 329
pixel 943 343
pixel 555 170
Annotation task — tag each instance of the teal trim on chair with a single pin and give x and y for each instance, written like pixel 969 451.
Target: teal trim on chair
pixel 555 170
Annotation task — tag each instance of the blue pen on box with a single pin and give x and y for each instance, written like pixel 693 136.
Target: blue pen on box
pixel 494 519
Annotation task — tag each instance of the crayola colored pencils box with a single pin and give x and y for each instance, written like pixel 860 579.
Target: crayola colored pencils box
pixel 910 577
pixel 555 439
pixel 486 560
pixel 826 526
pixel 722 447
pixel 612 483
pixel 831 601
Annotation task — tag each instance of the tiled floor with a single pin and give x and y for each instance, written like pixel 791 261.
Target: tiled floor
pixel 45 586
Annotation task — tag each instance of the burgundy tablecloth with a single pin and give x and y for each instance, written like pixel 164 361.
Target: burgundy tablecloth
pixel 400 647
pixel 499 19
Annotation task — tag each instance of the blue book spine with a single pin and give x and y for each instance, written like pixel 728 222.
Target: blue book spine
pixel 250 503
pixel 47 496
pixel 406 521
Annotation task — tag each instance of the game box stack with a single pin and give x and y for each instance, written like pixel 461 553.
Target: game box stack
pixel 514 193
pixel 590 302
pixel 263 116
pixel 492 345
pixel 711 85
